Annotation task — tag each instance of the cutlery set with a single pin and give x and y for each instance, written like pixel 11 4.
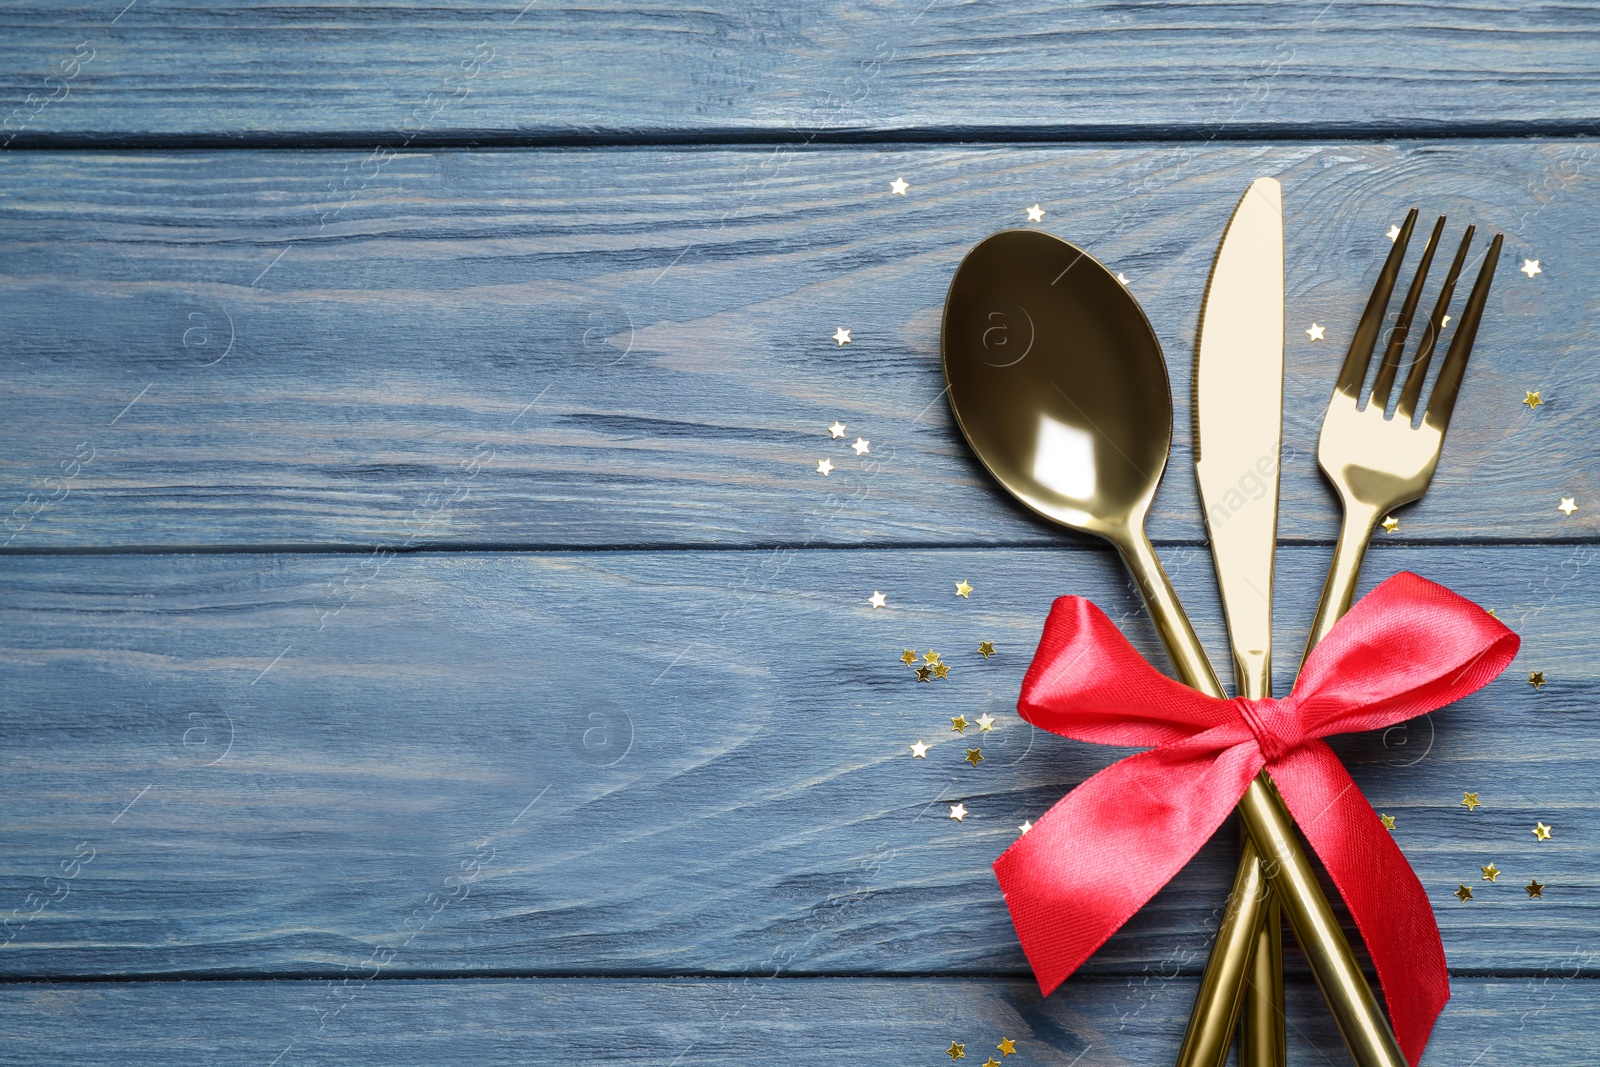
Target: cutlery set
pixel 1058 382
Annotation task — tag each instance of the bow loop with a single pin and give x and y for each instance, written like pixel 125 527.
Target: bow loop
pixel 1104 850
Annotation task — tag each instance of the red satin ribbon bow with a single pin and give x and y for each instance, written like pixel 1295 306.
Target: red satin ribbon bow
pixel 1094 859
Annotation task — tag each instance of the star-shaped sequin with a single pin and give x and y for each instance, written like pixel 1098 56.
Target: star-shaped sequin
pixel 1530 267
pixel 974 756
pixel 985 649
pixel 1121 277
pixel 877 599
pixel 824 467
pixel 991 1062
pixel 1027 824
pixel 899 186
pixel 842 336
pixel 1006 1046
pixel 1464 894
pixel 1536 679
pixel 956 1051
pixel 959 723
pixel 1535 889
pixel 1567 506
pixel 963 590
pixel 1387 820
pixel 985 723
pixel 862 446
pixel 924 674
pixel 919 751
pixel 958 812
pixel 1491 873
pixel 1541 831
pixel 1469 801
pixel 1533 399
pixel 836 430
pixel 941 670
pixel 909 658
pixel 1391 524
pixel 1394 233
pixel 1036 213
pixel 931 656
pixel 1316 332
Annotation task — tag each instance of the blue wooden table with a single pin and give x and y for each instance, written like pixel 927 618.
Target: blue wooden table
pixel 428 638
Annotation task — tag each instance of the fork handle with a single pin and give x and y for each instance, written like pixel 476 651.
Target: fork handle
pixel 1285 864
pixel 1355 531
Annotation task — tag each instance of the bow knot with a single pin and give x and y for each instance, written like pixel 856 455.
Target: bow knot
pixel 1408 648
pixel 1275 724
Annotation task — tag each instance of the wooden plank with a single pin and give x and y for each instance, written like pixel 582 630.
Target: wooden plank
pixel 680 762
pixel 757 1018
pixel 633 347
pixel 112 73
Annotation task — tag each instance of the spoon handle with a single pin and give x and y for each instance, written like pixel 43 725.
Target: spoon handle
pixel 1365 1030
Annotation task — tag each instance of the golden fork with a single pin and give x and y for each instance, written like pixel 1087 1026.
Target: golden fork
pixel 1376 463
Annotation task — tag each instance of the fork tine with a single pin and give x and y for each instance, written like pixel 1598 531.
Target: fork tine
pixel 1354 371
pixel 1402 326
pixel 1419 364
pixel 1443 400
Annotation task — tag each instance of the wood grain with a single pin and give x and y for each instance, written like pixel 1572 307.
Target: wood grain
pixel 1488 1022
pixel 632 346
pixel 673 762
pixel 405 71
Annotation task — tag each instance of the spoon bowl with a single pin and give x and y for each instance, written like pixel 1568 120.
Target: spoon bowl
pixel 1058 382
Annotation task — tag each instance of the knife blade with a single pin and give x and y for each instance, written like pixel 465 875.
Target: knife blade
pixel 1238 428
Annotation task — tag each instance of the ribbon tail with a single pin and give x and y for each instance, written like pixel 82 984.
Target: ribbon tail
pixel 1387 901
pixel 1108 846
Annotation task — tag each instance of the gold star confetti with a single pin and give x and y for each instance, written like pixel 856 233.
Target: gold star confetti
pixel 1445 321
pixel 1036 213
pixel 1530 267
pixel 919 751
pixel 956 1051
pixel 1469 801
pixel 824 467
pixel 974 756
pixel 924 673
pixel 1541 831
pixel 941 670
pixel 985 649
pixel 1316 332
pixel 1492 612
pixel 1121 277
pixel 909 658
pixel 1390 524
pixel 1006 1046
pixel 932 656
pixel 1464 894
pixel 1387 820
pixel 862 446
pixel 1536 679
pixel 1533 399
pixel 1394 233
pixel 1535 888
pixel 958 812
pixel 899 186
pixel 1567 506
pixel 963 589
pixel 1491 873
pixel 836 430
pixel 991 1062
pixel 985 723
pixel 959 723
pixel 1027 824
pixel 842 336
pixel 877 599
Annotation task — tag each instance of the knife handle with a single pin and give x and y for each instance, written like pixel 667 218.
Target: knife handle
pixel 1365 1030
